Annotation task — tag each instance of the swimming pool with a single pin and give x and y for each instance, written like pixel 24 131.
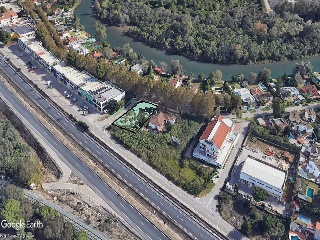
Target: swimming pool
pixel 304 219
pixel 310 192
pixel 295 238
pixel 263 88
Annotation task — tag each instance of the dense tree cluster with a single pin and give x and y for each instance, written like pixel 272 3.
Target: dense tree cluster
pixel 15 208
pixel 15 157
pixel 219 31
pixel 5 37
pixel 187 174
pixel 259 194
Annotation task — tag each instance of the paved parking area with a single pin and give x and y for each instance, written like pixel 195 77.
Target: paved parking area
pixel 40 76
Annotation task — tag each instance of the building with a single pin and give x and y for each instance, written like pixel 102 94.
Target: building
pixel 34 48
pixel 22 31
pixel 175 83
pixel 257 173
pixel 8 18
pixel 88 87
pixel 260 95
pixel 245 95
pixel 309 88
pixel 292 90
pixel 308 115
pixel 137 68
pixel 213 141
pixel 158 120
pixel 313 169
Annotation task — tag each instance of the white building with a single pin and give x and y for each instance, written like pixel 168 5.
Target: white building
pixel 313 169
pixel 259 174
pixel 292 90
pixel 88 87
pixel 8 18
pixel 137 68
pixel 213 140
pixel 245 95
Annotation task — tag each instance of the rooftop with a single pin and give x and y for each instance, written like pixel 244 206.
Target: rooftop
pixel 264 172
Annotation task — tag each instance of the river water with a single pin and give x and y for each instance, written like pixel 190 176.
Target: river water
pixel 116 38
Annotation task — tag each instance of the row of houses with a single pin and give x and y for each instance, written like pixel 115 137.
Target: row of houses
pixel 87 86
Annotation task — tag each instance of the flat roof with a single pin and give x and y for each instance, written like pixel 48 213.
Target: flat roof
pixel 76 77
pixel 264 172
pixel 36 47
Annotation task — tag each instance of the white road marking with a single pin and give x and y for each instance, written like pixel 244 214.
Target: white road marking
pixel 122 206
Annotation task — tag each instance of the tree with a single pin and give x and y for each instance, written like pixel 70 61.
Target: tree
pixel 191 76
pixel 278 107
pixel 246 227
pixel 259 194
pixel 176 67
pixel 163 66
pixel 81 235
pixel 101 32
pixel 3 9
pixel 252 78
pixel 5 37
pixel 236 101
pixel 264 75
pixel 76 23
pixel 237 78
pixel 126 49
pixel 278 87
pixel 11 211
pixel 12 192
pixel 112 106
pixel 107 52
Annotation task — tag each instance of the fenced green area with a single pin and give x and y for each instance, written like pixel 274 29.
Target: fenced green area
pixel 136 117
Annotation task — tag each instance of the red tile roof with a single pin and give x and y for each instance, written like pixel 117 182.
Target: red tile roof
pixel 318 226
pixel 296 205
pixel 159 119
pixel 8 15
pixel 309 88
pixel 219 135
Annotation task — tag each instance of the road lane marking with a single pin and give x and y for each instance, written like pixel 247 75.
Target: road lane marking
pixel 122 206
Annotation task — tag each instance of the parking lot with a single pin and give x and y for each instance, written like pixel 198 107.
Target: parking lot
pixel 57 91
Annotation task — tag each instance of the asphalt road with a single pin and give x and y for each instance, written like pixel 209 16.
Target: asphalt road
pixel 141 224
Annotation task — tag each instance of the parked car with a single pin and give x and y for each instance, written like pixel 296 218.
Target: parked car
pixel 69 96
pixel 85 108
pixel 74 99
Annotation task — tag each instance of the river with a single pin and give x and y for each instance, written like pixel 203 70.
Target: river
pixel 116 38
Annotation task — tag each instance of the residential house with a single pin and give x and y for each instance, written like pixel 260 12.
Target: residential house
pixel 308 115
pixel 292 90
pixel 96 54
pixel 246 96
pixel 305 128
pixel 159 120
pixel 313 169
pixel 23 30
pixel 70 40
pixel 8 18
pixel 294 116
pixel 213 140
pixel 310 88
pixel 137 68
pixel 314 151
pixel 158 70
pixel 175 83
pixel 260 95
pixel 280 123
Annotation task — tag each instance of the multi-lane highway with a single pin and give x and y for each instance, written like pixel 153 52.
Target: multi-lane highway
pixel 142 225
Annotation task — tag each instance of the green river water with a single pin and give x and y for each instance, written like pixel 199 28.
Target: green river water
pixel 116 38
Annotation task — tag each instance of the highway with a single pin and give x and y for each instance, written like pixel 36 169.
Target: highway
pixel 142 225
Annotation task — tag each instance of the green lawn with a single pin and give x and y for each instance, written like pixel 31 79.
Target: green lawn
pixel 207 190
pixel 252 111
pixel 235 85
pixel 266 109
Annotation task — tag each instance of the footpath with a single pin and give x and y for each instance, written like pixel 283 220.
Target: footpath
pixel 98 129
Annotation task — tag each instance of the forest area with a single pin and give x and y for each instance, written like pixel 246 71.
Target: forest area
pixel 41 222
pixel 16 160
pixel 225 32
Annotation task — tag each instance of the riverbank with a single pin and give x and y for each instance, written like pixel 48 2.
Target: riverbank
pixel 117 38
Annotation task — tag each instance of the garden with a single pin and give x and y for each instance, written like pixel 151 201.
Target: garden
pixel 136 117
pixel 308 190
